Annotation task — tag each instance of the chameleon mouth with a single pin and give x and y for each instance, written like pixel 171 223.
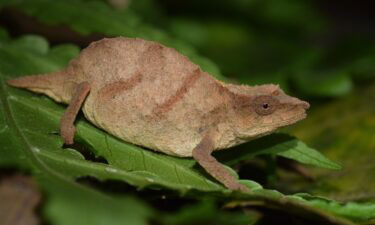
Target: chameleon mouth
pixel 270 127
pixel 288 121
pixel 294 120
pixel 285 122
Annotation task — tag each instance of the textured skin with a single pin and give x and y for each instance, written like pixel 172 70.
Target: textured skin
pixel 150 95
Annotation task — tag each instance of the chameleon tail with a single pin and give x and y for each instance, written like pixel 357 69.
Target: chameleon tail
pixel 50 84
pixel 35 81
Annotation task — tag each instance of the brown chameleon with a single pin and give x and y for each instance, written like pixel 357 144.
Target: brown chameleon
pixel 150 95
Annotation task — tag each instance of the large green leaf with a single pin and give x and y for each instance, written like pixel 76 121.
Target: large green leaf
pixel 28 130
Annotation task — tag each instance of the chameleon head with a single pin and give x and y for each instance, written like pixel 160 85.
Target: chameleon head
pixel 265 108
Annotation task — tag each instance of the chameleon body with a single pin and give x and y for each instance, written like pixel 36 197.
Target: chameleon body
pixel 151 95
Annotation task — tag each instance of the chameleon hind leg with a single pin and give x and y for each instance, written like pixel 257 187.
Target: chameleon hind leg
pixel 67 129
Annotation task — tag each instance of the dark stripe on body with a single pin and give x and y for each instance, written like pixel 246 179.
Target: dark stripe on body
pixel 113 89
pixel 179 94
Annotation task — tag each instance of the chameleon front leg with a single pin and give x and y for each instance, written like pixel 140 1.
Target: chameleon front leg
pixel 67 129
pixel 202 154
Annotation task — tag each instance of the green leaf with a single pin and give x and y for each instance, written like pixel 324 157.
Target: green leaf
pixel 278 144
pixel 358 212
pixel 299 151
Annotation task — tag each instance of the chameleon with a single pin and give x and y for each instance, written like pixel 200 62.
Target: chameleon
pixel 150 95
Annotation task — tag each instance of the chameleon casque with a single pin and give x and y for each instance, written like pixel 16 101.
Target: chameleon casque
pixel 151 95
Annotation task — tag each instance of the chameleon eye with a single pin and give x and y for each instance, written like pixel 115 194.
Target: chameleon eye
pixel 265 105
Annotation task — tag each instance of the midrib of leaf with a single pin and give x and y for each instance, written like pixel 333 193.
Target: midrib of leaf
pixel 99 168
pixel 160 160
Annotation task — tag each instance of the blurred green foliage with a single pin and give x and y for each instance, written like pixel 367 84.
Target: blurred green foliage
pixel 285 42
pixel 86 17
